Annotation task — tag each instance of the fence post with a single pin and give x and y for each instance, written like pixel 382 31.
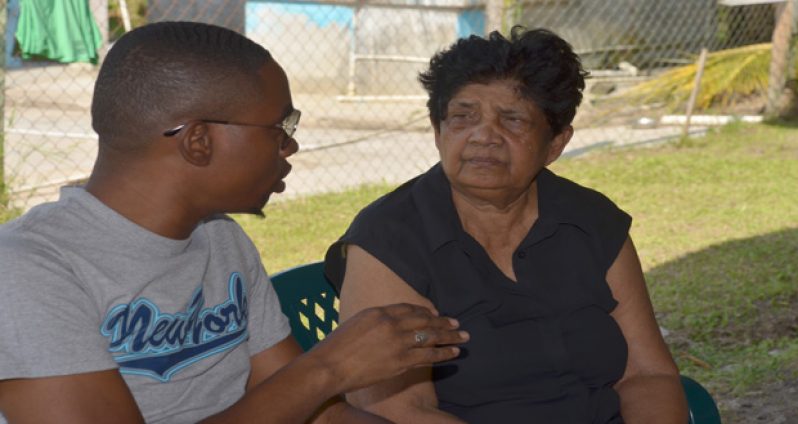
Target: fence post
pixel 780 59
pixel 702 60
pixel 3 189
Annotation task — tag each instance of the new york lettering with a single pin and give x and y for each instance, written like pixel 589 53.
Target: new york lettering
pixel 149 342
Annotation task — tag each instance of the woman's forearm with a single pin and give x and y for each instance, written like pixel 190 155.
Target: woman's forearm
pixel 653 399
pixel 411 414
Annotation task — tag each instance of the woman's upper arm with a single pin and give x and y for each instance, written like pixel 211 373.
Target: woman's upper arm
pixel 650 390
pixel 648 353
pixel 78 398
pixel 367 283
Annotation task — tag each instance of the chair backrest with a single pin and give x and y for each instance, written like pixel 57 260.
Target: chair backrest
pixel 309 302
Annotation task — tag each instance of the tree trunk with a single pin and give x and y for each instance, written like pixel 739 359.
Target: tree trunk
pixel 780 59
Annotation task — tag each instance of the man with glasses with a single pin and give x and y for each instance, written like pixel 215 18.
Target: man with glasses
pixel 136 299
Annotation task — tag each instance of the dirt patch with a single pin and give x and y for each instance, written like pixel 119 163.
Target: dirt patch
pixel 775 319
pixel 775 403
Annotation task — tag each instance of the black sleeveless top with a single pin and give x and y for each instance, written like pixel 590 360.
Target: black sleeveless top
pixel 544 349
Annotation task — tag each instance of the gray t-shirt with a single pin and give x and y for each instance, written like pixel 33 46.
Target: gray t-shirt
pixel 84 289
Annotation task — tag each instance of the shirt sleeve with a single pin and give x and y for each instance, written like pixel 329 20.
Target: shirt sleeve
pixel 612 229
pixel 398 245
pixel 49 325
pixel 267 323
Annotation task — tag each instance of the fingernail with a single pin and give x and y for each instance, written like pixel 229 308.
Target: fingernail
pixel 464 335
pixel 456 351
pixel 454 322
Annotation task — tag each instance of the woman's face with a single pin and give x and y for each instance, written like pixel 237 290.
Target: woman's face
pixel 494 142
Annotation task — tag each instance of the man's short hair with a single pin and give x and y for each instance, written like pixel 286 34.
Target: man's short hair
pixel 545 66
pixel 168 71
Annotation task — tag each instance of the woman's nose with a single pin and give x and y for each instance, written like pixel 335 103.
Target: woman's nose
pixel 485 132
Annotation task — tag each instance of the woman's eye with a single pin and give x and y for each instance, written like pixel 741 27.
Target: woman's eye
pixel 460 118
pixel 514 123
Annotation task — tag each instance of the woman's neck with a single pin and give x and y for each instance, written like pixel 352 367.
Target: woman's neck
pixel 498 226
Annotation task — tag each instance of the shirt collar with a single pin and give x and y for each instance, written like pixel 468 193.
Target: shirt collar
pixel 554 204
pixel 554 208
pixel 432 195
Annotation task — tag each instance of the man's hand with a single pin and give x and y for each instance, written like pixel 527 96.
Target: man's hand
pixel 383 342
pixel 373 345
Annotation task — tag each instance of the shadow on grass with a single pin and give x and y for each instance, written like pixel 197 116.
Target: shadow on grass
pixel 732 314
pixel 784 122
pixel 731 294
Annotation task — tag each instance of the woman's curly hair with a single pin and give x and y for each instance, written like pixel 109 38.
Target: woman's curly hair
pixel 548 71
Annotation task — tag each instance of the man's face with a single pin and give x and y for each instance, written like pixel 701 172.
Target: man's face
pixel 251 160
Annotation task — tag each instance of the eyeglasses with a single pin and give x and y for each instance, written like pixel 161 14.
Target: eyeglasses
pixel 288 124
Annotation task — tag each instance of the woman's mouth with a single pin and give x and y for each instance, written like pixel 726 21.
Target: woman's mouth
pixel 482 161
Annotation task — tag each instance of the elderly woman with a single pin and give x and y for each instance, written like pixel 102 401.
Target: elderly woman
pixel 539 270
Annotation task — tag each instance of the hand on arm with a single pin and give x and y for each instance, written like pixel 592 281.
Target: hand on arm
pixel 375 344
pixel 273 396
pixel 409 397
pixel 650 389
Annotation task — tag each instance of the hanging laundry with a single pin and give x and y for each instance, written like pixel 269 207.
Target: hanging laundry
pixel 60 30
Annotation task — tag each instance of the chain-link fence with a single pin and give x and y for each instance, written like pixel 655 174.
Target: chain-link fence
pixel 353 66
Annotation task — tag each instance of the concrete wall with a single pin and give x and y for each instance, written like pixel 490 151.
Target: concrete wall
pixel 314 42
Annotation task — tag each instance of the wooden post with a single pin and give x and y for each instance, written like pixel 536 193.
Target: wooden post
pixel 702 59
pixel 125 15
pixel 780 56
pixel 494 15
pixel 351 87
pixel 99 9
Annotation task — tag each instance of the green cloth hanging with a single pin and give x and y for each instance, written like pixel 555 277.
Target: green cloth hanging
pixel 60 30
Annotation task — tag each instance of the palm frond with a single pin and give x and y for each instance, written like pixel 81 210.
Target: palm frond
pixel 728 75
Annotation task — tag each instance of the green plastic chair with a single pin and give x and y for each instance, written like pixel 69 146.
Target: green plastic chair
pixel 311 304
pixel 309 301
pixel 702 407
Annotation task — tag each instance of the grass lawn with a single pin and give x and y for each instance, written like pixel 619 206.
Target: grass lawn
pixel 716 226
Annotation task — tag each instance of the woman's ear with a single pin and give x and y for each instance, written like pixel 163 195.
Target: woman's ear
pixel 558 143
pixel 196 145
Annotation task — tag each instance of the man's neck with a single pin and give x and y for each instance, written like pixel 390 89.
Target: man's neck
pixel 146 200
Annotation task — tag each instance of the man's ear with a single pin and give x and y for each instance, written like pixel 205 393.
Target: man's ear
pixel 558 143
pixel 196 145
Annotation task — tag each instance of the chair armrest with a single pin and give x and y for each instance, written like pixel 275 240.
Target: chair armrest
pixel 702 407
